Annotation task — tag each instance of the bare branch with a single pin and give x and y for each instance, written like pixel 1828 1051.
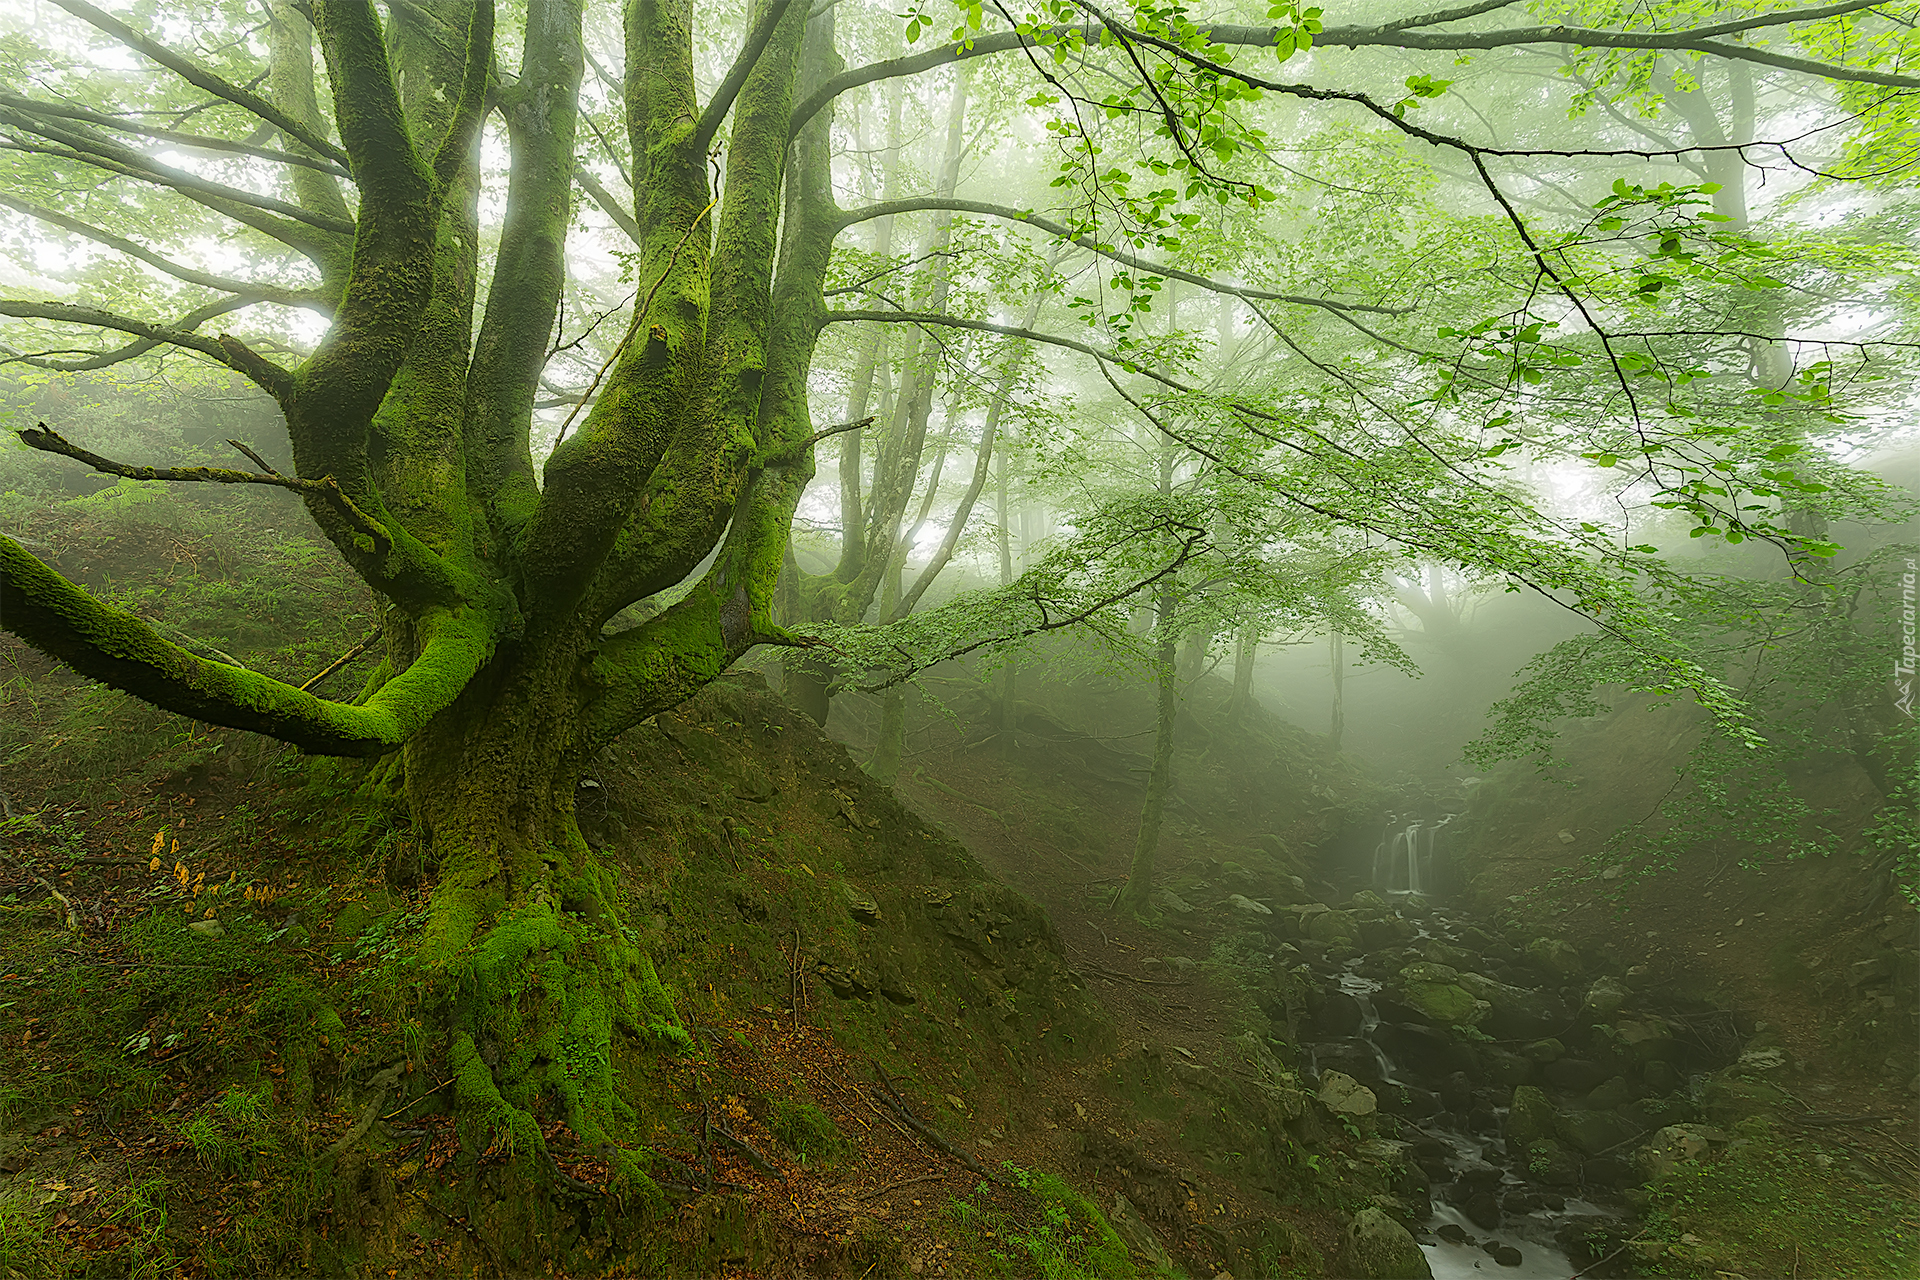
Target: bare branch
pixel 270 377
pixel 196 141
pixel 137 348
pixel 102 152
pixel 47 440
pixel 251 291
pixel 1697 40
pixel 608 202
pixel 1063 232
pixel 201 78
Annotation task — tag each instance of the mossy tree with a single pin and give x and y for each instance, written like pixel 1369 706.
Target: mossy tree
pixel 411 421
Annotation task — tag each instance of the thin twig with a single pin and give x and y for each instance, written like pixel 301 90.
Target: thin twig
pixel 73 913
pixel 343 659
pixel 904 1182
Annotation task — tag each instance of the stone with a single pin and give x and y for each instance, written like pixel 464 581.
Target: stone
pixel 1608 1171
pixel 1168 900
pixel 1447 1004
pixel 1337 1014
pixel 1506 1067
pixel 1182 964
pixel 1672 1146
pixel 1658 1113
pixel 1604 997
pixel 1765 1061
pixel 1452 1233
pixel 1343 1095
pixel 1425 971
pixel 1483 1210
pixel 1545 1051
pixel 1645 1039
pixel 1530 1118
pixel 1566 836
pixel 1550 1162
pixel 1421 1050
pixel 1139 1236
pixel 1332 926
pixel 1408 1101
pixel 1368 898
pixel 1661 1077
pixel 207 929
pixel 1518 1014
pixel 1594 1132
pixel 1610 1094
pixel 1352 1057
pixel 1556 957
pixel 1575 1075
pixel 1242 903
pixel 1862 972
pixel 1378 1248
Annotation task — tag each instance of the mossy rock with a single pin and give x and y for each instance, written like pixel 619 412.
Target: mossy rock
pixel 1447 1004
pixel 1378 1248
pixel 1531 1116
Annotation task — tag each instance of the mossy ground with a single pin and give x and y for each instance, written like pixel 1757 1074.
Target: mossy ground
pixel 1775 1205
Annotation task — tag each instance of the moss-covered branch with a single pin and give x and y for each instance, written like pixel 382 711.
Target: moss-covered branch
pixel 271 378
pixel 116 648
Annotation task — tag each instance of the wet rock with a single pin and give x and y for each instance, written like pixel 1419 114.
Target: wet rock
pixel 1549 1162
pixel 1168 900
pixel 1556 957
pixel 1545 1051
pixel 1420 1050
pixel 1482 1119
pixel 1456 1092
pixel 1604 998
pixel 1862 972
pixel 1408 1101
pixel 1452 1233
pixel 1518 1202
pixel 1447 1004
pixel 1672 1146
pixel 1645 1040
pixel 1530 1118
pixel 1593 1132
pixel 1431 974
pixel 1657 1113
pixel 1608 1171
pixel 1457 958
pixel 1333 927
pixel 1247 906
pixel 1367 898
pixel 1575 1075
pixel 1343 1095
pixel 1378 1248
pixel 1337 1014
pixel 1478 1175
pixel 1507 1256
pixel 1483 1210
pixel 1506 1067
pixel 1610 1094
pixel 1354 1057
pixel 1518 1013
pixel 1661 1077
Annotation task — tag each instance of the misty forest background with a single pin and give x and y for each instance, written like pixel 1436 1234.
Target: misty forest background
pixel 590 590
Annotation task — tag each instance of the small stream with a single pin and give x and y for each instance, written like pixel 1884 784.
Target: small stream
pixel 1456 1246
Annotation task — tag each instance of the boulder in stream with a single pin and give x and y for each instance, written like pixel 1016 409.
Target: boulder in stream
pixel 1556 957
pixel 1378 1248
pixel 1530 1118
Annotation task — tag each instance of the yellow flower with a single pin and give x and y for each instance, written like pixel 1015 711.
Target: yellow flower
pixel 155 864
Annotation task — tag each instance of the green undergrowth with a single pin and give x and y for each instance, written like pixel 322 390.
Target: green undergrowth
pixel 1776 1205
pixel 1049 1231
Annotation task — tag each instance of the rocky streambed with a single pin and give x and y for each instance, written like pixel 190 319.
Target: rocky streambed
pixel 1517 1091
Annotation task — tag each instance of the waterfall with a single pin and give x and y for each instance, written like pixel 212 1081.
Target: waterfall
pixel 1404 860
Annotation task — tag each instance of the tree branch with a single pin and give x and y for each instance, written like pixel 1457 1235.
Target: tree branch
pixel 197 141
pixel 1698 40
pixel 139 347
pixel 116 157
pixel 722 101
pixel 608 202
pixel 261 292
pixel 47 440
pixel 201 78
pixel 270 377
pixel 1063 232
pixel 116 648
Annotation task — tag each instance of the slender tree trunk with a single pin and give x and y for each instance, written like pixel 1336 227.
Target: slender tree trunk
pixel 1246 648
pixel 1166 682
pixel 1337 656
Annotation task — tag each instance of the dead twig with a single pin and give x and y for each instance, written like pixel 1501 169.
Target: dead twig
pixel 72 912
pixel 343 659
pixel 895 1186
pixel 926 1130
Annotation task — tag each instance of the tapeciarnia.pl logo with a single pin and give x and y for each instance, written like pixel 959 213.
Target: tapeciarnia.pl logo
pixel 1903 666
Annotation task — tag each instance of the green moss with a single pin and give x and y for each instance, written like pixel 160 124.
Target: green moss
pixel 1774 1207
pixel 808 1132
